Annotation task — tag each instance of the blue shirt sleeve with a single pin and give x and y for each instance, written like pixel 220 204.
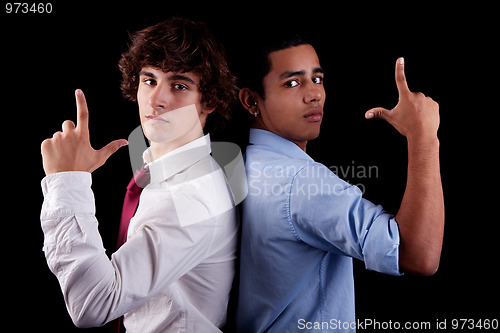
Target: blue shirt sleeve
pixel 330 214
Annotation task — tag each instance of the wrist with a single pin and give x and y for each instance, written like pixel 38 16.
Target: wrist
pixel 423 140
pixel 424 147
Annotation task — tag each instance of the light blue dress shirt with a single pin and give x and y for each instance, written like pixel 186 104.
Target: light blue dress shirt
pixel 301 227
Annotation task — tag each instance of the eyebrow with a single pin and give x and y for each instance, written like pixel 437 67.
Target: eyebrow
pixel 173 77
pixel 148 74
pixel 288 74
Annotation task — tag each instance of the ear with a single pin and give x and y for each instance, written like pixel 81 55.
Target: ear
pixel 206 109
pixel 248 99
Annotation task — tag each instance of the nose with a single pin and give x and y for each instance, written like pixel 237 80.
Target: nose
pixel 158 100
pixel 314 93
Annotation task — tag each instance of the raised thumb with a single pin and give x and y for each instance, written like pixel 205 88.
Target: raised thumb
pixel 376 113
pixel 112 147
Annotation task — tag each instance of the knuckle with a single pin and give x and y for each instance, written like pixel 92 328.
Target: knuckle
pixel 45 144
pixel 434 104
pixel 57 135
pixel 417 97
pixel 68 124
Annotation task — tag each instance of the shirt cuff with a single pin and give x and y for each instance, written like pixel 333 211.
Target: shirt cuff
pixel 67 193
pixel 382 246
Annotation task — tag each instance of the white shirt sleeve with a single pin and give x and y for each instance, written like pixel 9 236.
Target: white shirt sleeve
pixel 74 250
pixel 97 290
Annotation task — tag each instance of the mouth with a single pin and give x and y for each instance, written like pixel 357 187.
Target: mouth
pixel 156 119
pixel 315 115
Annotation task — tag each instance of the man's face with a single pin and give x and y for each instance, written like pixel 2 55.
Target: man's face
pixel 294 95
pixel 170 106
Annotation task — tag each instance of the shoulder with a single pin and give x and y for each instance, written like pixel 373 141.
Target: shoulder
pixel 323 180
pixel 198 193
pixel 203 197
pixel 273 163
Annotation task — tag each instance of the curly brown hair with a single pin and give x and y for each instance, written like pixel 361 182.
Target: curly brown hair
pixel 181 45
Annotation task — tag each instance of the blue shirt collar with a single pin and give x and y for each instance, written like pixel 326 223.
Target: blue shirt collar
pixel 276 143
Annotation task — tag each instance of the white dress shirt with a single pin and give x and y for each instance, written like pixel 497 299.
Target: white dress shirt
pixel 175 271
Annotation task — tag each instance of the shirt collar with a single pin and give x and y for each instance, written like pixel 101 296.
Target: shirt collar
pixel 178 159
pixel 276 143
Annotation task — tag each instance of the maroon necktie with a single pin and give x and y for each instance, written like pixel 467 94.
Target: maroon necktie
pixel 130 203
pixel 134 189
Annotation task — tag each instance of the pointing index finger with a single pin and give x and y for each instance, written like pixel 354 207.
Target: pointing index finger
pixel 400 77
pixel 82 111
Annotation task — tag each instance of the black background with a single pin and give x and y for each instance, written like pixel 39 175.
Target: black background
pixel 451 55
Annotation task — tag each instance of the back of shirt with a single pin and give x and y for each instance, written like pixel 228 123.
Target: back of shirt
pixel 301 227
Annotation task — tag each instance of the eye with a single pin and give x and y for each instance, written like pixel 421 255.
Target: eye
pixel 149 82
pixel 291 83
pixel 317 79
pixel 178 86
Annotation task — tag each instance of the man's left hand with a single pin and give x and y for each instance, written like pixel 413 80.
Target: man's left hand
pixel 70 150
pixel 416 116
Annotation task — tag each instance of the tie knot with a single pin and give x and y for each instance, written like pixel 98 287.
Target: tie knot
pixel 140 180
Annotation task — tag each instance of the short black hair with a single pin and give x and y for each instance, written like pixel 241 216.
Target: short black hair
pixel 255 63
pixel 251 63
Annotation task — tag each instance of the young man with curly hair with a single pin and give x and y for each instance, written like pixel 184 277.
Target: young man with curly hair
pixel 174 267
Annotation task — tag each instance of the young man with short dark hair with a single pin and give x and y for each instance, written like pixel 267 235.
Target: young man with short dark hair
pixel 301 224
pixel 175 267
